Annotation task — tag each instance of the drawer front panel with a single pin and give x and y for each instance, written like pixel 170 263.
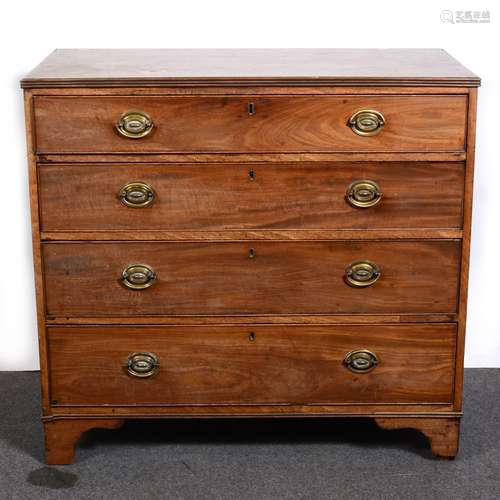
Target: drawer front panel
pixel 265 364
pixel 255 196
pixel 85 279
pixel 274 124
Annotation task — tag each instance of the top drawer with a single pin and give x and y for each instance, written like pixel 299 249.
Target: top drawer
pixel 225 124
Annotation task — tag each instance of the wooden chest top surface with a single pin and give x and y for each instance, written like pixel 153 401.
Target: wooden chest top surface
pixel 157 67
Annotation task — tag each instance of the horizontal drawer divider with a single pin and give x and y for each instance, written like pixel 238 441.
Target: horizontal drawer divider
pixel 249 405
pixel 246 157
pixel 258 234
pixel 68 412
pixel 288 319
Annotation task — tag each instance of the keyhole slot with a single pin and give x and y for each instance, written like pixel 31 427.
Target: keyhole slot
pixel 251 253
pixel 251 175
pixel 251 108
pixel 251 336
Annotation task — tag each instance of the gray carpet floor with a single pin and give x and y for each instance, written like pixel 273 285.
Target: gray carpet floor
pixel 245 459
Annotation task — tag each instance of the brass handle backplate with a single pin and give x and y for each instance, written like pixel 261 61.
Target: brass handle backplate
pixel 138 276
pixel 134 124
pixel 142 364
pixel 361 361
pixel 367 122
pixel 136 195
pixel 362 273
pixel 363 194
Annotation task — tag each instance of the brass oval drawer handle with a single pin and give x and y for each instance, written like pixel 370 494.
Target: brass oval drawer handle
pixel 142 364
pixel 363 194
pixel 134 124
pixel 361 361
pixel 367 122
pixel 138 276
pixel 362 273
pixel 136 195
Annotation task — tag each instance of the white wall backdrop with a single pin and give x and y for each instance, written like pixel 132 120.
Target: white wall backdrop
pixel 31 29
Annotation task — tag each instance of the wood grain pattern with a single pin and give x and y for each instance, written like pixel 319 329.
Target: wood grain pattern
pixel 254 234
pixel 443 433
pixel 146 67
pixel 466 242
pixel 282 89
pixel 224 196
pixel 83 279
pixel 251 157
pixel 221 365
pixel 222 124
pixel 37 252
pixel 283 410
pixel 285 319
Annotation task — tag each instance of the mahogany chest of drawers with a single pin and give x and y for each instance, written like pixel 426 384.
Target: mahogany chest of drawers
pixel 264 233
